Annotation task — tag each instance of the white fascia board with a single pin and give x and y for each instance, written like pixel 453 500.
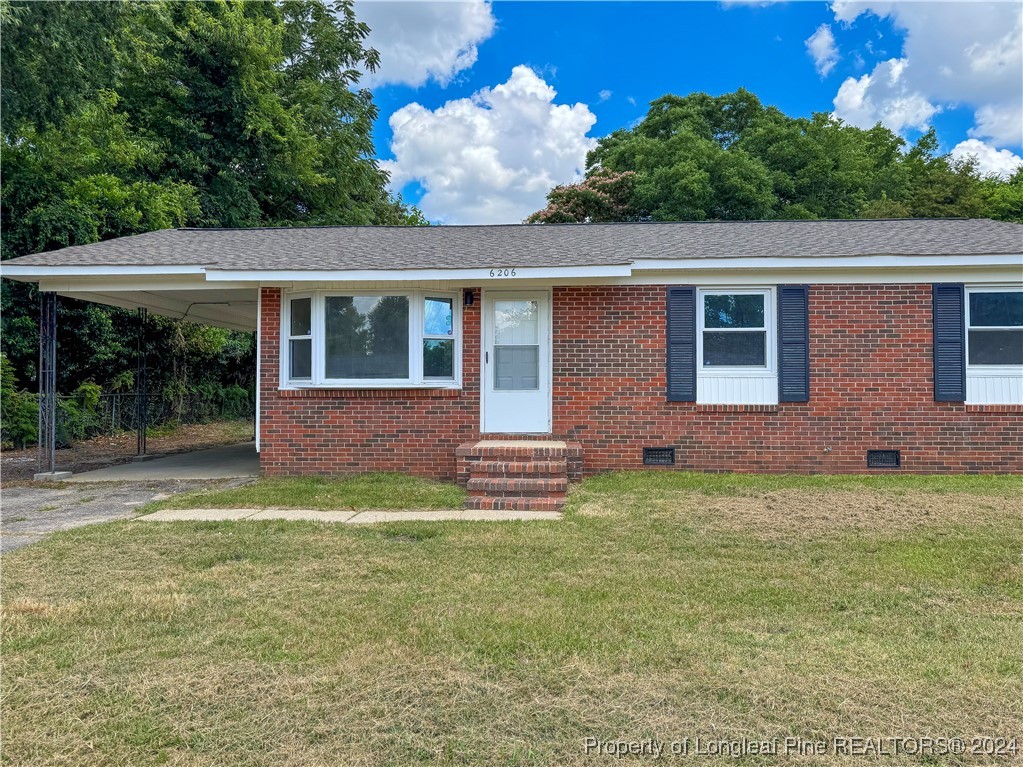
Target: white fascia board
pixel 151 284
pixel 810 263
pixel 475 276
pixel 26 272
pixel 734 277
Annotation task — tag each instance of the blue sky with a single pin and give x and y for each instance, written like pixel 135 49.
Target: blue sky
pixel 484 106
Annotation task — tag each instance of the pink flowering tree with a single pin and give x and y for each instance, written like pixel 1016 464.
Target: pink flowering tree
pixel 605 195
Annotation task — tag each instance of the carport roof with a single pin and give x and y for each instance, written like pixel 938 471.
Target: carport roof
pixel 349 248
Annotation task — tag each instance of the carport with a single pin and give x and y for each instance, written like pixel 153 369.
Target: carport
pixel 103 273
pixel 224 462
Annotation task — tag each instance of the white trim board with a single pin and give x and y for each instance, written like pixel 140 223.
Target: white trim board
pixel 739 270
pixel 476 276
pixel 998 274
pixel 829 262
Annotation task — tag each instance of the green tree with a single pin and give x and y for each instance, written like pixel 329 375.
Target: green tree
pixel 124 117
pixel 729 157
pixel 1004 200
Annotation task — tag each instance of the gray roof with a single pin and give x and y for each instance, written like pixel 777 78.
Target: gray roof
pixel 345 248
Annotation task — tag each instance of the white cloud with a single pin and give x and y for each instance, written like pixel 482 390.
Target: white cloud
pixel 954 54
pixel 1001 123
pixel 821 45
pixel 420 40
pixel 605 94
pixel 1001 162
pixel 493 157
pixel 883 96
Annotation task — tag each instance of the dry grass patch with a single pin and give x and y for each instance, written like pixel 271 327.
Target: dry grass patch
pixel 821 513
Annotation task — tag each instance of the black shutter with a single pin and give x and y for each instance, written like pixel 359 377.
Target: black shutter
pixel 793 343
pixel 682 344
pixel 949 342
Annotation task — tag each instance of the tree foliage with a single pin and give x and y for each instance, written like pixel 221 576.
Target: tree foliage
pixel 125 117
pixel 700 157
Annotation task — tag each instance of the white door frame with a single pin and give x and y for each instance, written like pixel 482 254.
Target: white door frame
pixel 546 345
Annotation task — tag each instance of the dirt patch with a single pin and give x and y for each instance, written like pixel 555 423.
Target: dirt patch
pixel 18 466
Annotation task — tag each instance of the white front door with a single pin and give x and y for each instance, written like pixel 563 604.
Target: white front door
pixel 517 362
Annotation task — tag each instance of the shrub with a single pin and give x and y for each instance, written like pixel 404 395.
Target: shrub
pixel 235 402
pixel 78 416
pixel 19 410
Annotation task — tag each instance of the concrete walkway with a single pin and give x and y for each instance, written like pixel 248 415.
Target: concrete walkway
pixel 346 517
pixel 225 462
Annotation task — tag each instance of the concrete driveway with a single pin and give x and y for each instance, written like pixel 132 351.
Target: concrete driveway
pixel 30 512
pixel 225 462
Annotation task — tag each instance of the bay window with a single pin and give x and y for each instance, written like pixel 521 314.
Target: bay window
pixel 300 339
pixel 371 339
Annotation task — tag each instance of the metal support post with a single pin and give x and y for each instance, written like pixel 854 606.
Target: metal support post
pixel 47 382
pixel 141 397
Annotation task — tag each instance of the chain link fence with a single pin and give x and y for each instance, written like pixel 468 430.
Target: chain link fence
pixel 81 417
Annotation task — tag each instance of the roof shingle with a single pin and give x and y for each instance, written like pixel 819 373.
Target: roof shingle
pixel 345 248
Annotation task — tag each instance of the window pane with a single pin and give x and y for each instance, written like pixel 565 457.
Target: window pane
pixel 734 349
pixel 367 336
pixel 733 311
pixel 996 347
pixel 996 309
pixel 516 367
pixel 438 359
pixel 516 322
pixel 439 317
pixel 301 317
pixel 302 359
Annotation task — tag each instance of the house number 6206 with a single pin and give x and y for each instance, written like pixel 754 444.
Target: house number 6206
pixel 502 272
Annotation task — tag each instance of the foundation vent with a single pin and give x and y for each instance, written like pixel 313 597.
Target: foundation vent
pixel 659 456
pixel 884 459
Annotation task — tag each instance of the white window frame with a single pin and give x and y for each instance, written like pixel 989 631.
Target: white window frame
pixel 1007 371
pixel 288 338
pixel 770 368
pixel 417 319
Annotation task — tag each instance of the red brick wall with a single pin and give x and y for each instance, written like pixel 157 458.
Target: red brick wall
pixel 870 388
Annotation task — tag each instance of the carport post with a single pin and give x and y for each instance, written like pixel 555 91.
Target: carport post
pixel 47 382
pixel 141 397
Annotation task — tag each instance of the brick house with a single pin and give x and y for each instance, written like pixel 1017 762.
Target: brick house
pixel 510 357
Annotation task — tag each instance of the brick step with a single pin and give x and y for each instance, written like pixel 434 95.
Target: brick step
pixel 538 469
pixel 521 451
pixel 514 504
pixel 521 486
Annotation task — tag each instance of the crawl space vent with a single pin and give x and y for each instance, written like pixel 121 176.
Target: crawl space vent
pixel 884 459
pixel 659 456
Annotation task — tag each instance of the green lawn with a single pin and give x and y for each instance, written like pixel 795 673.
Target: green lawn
pixel 663 606
pixel 366 491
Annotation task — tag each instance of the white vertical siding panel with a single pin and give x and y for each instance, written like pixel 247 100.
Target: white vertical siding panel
pixel 737 390
pixel 994 390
